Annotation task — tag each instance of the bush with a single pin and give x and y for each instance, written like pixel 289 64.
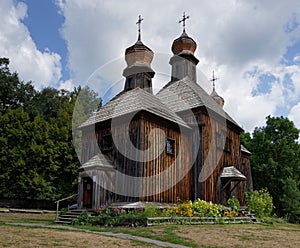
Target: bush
pixel 63 211
pixel 184 209
pixel 152 211
pixel 83 219
pixel 234 204
pixel 206 209
pixel 260 202
pixel 118 216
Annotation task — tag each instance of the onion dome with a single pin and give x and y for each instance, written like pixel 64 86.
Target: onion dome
pixel 184 45
pixel 217 98
pixel 138 56
pixel 214 94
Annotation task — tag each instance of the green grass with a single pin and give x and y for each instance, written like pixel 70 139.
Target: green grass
pixel 242 234
pixel 164 233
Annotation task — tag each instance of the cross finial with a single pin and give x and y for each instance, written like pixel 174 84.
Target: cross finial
pixel 139 25
pixel 213 80
pixel 184 18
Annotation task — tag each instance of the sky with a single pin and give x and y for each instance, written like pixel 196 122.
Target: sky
pixel 253 47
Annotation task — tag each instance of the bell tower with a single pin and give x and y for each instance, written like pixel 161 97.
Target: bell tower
pixel 138 72
pixel 184 62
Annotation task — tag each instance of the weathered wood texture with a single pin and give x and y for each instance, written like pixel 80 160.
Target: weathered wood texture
pixel 168 176
pixel 171 171
pixel 220 148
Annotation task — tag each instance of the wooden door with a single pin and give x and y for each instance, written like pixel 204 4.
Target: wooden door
pixel 87 192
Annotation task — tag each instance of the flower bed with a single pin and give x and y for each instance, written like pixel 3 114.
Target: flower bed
pixel 197 220
pixel 183 212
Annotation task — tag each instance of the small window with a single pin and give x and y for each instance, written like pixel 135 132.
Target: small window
pixel 107 143
pixel 129 83
pixel 227 147
pixel 170 146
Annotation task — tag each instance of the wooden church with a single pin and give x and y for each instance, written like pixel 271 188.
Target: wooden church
pixel 179 143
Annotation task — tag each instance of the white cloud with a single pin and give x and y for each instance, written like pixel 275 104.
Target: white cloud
pixel 295 115
pixel 43 68
pixel 233 37
pixel 67 85
pixel 296 58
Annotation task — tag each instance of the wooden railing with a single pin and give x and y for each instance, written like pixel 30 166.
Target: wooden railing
pixel 58 201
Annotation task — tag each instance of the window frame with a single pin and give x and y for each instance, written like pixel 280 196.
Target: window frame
pixel 227 145
pixel 172 149
pixel 106 145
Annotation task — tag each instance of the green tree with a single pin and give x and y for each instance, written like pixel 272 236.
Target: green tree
pixel 13 92
pixel 37 156
pixel 14 141
pixel 275 161
pixel 291 199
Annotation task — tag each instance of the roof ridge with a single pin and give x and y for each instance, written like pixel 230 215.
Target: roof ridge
pixel 133 100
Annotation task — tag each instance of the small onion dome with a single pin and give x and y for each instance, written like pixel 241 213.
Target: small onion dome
pixel 184 44
pixel 138 54
pixel 217 98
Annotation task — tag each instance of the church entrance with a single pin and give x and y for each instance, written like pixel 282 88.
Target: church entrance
pixel 87 192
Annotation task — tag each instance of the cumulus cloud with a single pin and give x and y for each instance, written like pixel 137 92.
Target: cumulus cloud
pixel 67 85
pixel 241 40
pixel 295 115
pixel 41 67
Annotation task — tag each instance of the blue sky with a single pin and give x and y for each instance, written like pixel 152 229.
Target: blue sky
pixel 43 22
pixel 253 46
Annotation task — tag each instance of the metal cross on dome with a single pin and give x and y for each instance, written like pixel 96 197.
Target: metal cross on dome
pixel 139 25
pixel 213 80
pixel 184 18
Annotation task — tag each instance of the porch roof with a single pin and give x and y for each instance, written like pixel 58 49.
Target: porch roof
pixel 99 161
pixel 232 173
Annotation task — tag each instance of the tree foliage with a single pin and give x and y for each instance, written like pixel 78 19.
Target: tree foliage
pixel 37 157
pixel 275 163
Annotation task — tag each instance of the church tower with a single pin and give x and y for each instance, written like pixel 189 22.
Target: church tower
pixel 184 62
pixel 138 72
pixel 214 94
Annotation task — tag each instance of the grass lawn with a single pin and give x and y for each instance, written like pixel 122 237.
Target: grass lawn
pixel 15 236
pixel 28 218
pixel 238 235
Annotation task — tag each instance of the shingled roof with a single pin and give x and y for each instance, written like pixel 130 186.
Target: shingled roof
pixel 99 161
pixel 232 173
pixel 133 101
pixel 245 150
pixel 185 94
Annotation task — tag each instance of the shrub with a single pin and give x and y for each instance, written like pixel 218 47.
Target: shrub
pixel 184 209
pixel 206 209
pixel 83 219
pixel 259 202
pixel 63 211
pixel 234 204
pixel 152 211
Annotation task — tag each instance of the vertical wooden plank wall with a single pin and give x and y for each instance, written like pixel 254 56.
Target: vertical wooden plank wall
pixel 214 157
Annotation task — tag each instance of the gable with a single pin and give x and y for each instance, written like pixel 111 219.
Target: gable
pixel 184 95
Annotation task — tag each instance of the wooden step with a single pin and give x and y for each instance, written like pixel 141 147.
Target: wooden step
pixel 69 216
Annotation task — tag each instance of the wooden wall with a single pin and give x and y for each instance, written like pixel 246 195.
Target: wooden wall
pixel 211 161
pixel 214 133
pixel 170 169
